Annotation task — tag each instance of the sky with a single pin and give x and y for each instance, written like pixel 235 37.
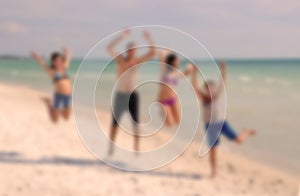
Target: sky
pixel 227 28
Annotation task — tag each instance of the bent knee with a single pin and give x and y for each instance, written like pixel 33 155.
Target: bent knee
pixel 177 121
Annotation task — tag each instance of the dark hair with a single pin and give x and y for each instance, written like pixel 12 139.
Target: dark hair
pixel 130 45
pixel 53 57
pixel 171 58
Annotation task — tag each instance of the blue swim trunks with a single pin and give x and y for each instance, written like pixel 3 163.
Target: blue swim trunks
pixel 214 130
pixel 61 100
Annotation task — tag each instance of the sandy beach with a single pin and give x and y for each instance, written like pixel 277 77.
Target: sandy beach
pixel 41 158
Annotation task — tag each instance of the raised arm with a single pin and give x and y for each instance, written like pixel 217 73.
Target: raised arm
pixel 223 71
pixel 42 63
pixel 111 47
pixel 188 70
pixel 67 54
pixel 221 86
pixel 196 84
pixel 150 54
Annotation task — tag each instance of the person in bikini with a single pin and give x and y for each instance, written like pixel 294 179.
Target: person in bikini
pixel 57 71
pixel 215 124
pixel 126 98
pixel 169 80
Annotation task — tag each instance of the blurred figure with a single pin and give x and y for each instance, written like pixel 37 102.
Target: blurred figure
pixel 57 71
pixel 126 98
pixel 167 96
pixel 215 124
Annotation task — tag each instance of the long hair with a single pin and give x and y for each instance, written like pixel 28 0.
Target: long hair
pixel 170 60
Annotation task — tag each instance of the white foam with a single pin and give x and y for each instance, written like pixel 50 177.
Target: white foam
pixel 261 91
pixel 245 78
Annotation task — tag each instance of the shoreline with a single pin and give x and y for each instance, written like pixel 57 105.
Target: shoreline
pixel 253 176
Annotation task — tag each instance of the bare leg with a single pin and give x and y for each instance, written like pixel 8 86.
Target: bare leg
pixel 53 113
pixel 213 161
pixel 136 139
pixel 176 112
pixel 244 135
pixel 169 116
pixel 113 133
pixel 66 112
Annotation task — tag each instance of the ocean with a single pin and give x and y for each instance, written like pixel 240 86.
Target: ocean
pixel 261 93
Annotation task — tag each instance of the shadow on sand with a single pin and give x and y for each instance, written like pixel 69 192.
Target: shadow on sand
pixel 12 157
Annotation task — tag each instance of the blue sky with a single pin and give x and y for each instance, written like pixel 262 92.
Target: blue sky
pixel 228 28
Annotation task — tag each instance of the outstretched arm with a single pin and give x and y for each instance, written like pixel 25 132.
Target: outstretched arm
pixel 151 52
pixel 196 84
pixel 68 56
pixel 188 70
pixel 112 45
pixel 42 63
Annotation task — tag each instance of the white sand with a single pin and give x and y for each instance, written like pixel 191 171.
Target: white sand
pixel 40 158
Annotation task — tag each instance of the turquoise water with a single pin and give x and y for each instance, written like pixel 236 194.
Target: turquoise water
pixel 263 94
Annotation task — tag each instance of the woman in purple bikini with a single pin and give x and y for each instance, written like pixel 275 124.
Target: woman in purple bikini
pixel 167 96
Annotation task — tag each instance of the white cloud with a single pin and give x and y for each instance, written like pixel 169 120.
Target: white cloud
pixel 10 27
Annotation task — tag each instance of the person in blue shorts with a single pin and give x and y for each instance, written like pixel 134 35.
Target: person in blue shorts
pixel 214 118
pixel 58 73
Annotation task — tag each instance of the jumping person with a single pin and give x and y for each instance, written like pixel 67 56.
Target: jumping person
pixel 215 124
pixel 57 71
pixel 126 98
pixel 169 78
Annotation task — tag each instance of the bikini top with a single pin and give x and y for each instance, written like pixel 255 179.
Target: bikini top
pixel 167 79
pixel 58 76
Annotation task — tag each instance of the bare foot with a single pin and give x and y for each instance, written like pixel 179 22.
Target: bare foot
pixel 213 175
pixel 137 153
pixel 244 135
pixel 46 100
pixel 250 131
pixel 52 113
pixel 110 151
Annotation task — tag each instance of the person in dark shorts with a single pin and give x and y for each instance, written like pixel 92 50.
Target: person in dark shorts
pixel 126 98
pixel 126 102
